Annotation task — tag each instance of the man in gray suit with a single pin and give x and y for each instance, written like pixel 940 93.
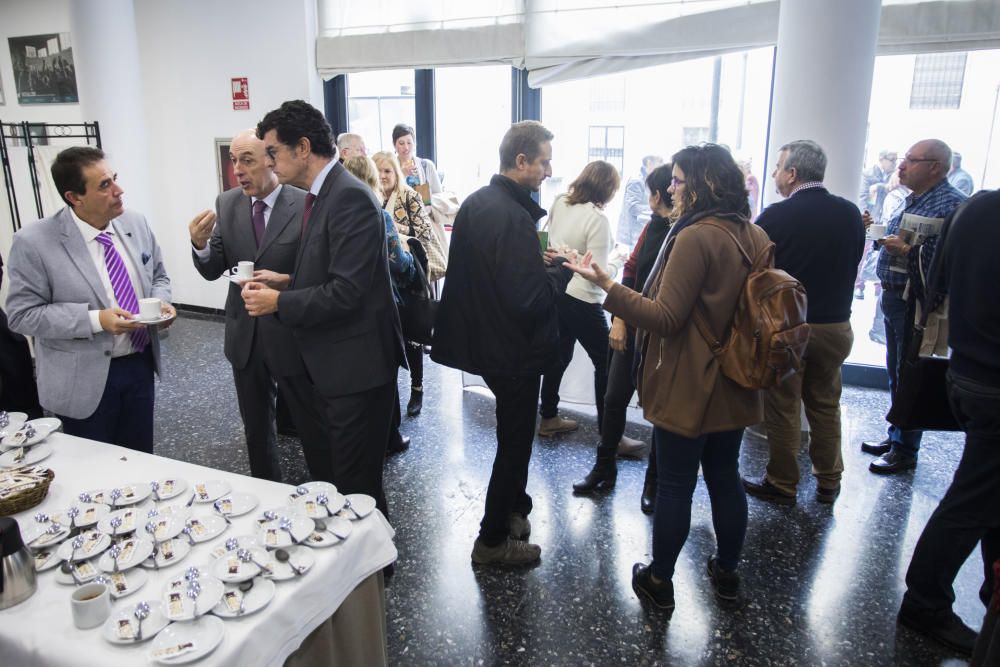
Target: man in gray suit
pixel 75 281
pixel 259 222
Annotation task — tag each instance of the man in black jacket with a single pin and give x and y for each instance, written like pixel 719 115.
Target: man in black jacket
pixel 497 319
pixel 818 238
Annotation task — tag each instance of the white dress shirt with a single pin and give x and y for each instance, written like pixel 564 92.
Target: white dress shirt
pixel 123 342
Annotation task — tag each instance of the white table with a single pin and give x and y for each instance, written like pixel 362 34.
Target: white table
pixel 40 631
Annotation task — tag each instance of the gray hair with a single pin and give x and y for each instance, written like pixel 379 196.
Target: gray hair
pixel 806 158
pixel 524 138
pixel 346 138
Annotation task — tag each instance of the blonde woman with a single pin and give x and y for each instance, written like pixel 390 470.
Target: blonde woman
pixel 407 211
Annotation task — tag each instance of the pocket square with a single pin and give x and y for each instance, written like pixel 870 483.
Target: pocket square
pixel 146 257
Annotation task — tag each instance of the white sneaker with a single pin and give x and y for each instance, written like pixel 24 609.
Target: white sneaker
pixel 631 448
pixel 554 425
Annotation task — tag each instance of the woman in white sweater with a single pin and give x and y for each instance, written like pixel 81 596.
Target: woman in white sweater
pixel 577 221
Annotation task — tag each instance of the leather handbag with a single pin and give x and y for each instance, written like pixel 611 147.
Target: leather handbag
pixel 417 307
pixel 921 400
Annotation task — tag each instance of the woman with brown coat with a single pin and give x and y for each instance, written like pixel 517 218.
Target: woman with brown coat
pixel 698 414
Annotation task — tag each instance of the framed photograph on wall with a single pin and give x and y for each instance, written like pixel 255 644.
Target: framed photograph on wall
pixel 224 166
pixel 44 71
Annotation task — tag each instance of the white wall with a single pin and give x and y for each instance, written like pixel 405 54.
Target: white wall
pixel 189 50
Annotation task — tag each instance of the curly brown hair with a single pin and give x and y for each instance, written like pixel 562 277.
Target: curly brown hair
pixel 713 181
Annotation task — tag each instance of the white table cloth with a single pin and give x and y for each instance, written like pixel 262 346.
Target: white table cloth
pixel 40 631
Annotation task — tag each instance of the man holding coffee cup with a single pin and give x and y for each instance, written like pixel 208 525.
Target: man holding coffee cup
pixel 256 226
pixel 76 282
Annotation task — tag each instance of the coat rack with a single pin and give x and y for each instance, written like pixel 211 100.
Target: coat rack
pixel 29 135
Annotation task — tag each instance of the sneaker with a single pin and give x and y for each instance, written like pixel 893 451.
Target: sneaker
pixel 726 583
pixel 944 627
pixel 659 594
pixel 554 425
pixel 520 527
pixel 508 552
pixel 630 448
pixel 767 491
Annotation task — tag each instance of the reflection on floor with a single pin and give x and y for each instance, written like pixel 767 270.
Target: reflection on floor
pixel 822 585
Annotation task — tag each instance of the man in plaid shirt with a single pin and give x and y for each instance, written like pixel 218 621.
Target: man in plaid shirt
pixel 925 171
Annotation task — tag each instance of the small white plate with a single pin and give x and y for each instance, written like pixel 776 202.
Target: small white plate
pixel 170 487
pixel 211 593
pixel 206 527
pixel 166 527
pixel 357 506
pixel 46 560
pixel 96 547
pixel 236 280
pixel 132 520
pixel 320 539
pixel 44 426
pixel 131 494
pixel 178 550
pixel 301 557
pixel 156 320
pixel 85 571
pixel 210 491
pixel 338 525
pixel 124 584
pixel 237 504
pixel 14 420
pixel 97 497
pixel 230 569
pixel 180 512
pixel 90 514
pixel 34 535
pixel 321 487
pixel 32 455
pixel 273 537
pixel 254 599
pixel 205 633
pixel 123 620
pixel 134 551
pixel 309 504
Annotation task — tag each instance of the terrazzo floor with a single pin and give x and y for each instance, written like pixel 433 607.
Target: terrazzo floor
pixel 821 584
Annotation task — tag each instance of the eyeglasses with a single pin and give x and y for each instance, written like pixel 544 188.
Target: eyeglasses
pixel 913 160
pixel 677 181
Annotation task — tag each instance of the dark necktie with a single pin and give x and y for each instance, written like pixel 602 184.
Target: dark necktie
pixel 307 211
pixel 121 285
pixel 258 220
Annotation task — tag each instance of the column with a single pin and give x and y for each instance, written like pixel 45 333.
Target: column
pixel 106 54
pixel 822 85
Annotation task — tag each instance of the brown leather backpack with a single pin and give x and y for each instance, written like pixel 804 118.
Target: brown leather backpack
pixel 769 332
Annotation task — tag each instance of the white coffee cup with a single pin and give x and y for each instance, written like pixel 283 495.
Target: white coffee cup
pixel 876 232
pixel 243 270
pixel 149 309
pixel 91 605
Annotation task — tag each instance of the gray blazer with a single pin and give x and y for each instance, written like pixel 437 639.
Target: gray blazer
pixel 53 286
pixel 233 241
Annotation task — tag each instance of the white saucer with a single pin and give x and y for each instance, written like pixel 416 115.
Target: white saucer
pixel 90 514
pixel 14 421
pixel 156 320
pixel 33 533
pixel 206 527
pixel 309 505
pixel 179 550
pixel 273 537
pixel 300 556
pixel 205 633
pixel 124 584
pixel 44 426
pixel 170 488
pixel 210 491
pixel 132 520
pixel 66 551
pixel 131 494
pixel 46 560
pixel 85 571
pixel 237 504
pixel 254 599
pixel 361 505
pixel 236 280
pixel 138 548
pixel 31 455
pixel 223 568
pixel 211 593
pixel 125 613
pixel 321 487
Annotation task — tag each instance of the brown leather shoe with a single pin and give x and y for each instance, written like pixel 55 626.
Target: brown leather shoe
pixel 767 491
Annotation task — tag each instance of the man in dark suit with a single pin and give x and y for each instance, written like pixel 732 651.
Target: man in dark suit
pixel 818 238
pixel 260 222
pixel 338 302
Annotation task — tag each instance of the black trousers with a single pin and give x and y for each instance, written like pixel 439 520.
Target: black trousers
pixel 516 398
pixel 359 430
pixel 415 360
pixel 621 388
pixel 969 512
pixel 586 322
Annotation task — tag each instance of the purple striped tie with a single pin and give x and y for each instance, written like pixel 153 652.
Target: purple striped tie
pixel 122 287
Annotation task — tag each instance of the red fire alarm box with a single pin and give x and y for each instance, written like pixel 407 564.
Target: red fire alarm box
pixel 241 94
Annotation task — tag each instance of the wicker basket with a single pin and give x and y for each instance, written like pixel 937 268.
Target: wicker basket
pixel 28 498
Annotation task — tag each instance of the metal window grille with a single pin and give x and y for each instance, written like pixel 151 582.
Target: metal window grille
pixel 607 142
pixel 937 81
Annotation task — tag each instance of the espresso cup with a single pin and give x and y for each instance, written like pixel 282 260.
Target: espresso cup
pixel 149 309
pixel 876 232
pixel 243 270
pixel 91 605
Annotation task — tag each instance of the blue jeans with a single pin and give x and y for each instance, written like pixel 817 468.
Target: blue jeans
pixel 677 461
pixel 898 325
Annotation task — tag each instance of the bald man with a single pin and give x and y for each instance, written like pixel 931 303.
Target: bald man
pixel 260 222
pixel 909 244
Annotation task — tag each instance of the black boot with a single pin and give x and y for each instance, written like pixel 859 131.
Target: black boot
pixel 601 478
pixel 416 403
pixel 648 500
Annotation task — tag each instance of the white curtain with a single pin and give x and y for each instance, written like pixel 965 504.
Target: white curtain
pixel 560 40
pixel 44 157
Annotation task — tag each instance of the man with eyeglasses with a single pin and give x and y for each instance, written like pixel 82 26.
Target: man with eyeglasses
pixel 909 245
